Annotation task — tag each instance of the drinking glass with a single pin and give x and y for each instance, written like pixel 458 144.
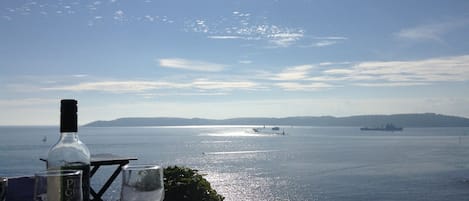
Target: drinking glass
pixel 58 185
pixel 142 183
pixel 3 188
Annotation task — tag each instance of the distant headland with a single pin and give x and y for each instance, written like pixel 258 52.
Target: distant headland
pixel 402 120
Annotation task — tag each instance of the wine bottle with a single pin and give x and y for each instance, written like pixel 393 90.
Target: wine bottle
pixel 69 152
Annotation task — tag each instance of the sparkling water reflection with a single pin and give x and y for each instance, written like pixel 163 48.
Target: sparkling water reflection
pixel 309 163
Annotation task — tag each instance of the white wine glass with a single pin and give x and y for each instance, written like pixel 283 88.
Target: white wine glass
pixel 58 185
pixel 142 183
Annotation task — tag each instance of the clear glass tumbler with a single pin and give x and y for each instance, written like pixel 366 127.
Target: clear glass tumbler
pixel 142 183
pixel 58 185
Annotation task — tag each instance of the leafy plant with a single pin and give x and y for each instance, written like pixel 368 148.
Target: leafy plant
pixel 149 180
pixel 185 184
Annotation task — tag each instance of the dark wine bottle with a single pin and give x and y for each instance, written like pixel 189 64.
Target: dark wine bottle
pixel 69 152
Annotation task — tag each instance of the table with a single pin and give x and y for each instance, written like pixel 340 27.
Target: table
pixel 98 160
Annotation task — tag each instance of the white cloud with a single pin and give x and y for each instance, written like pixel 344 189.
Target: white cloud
pixel 152 95
pixel 80 75
pixel 331 38
pixel 285 39
pixel 149 87
pixel 199 26
pixel 241 26
pixel 293 73
pixel 392 84
pixel 327 78
pixel 224 37
pixel 338 71
pixel 295 86
pixel 119 15
pixel 8 18
pixel 224 85
pixel 149 18
pixel 454 68
pixel 333 63
pixel 401 73
pixel 432 32
pixel 191 65
pixel 422 33
pixel 245 62
pixel 324 43
pixel 116 86
pixel 26 102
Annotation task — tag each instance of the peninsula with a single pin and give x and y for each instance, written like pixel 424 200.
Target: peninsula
pixel 402 120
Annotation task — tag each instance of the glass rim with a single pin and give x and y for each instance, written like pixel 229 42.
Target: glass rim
pixel 58 173
pixel 141 167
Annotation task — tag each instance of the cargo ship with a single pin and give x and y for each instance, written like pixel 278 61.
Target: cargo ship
pixel 387 127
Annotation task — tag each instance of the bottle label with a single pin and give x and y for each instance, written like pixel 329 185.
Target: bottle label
pixel 69 190
pixel 85 168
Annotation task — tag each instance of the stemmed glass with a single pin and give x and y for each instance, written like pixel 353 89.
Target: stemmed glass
pixel 142 183
pixel 58 185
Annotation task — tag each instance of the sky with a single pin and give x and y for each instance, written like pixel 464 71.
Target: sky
pixel 238 58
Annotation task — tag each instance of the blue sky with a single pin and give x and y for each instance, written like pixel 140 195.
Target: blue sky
pixel 241 58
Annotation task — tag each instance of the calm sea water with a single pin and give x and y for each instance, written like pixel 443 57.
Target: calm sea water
pixel 309 163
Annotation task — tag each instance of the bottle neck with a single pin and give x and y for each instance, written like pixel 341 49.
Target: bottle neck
pixel 68 137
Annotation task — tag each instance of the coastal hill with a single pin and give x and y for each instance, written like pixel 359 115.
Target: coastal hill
pixel 402 120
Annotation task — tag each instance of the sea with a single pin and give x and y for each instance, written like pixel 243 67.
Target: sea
pixel 307 163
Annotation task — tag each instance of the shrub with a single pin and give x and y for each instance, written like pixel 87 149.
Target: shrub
pixel 185 184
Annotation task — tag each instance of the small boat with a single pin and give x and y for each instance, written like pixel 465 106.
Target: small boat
pixel 387 127
pixel 44 139
pixel 273 130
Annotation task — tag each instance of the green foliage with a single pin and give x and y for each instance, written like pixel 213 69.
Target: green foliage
pixel 185 184
pixel 149 180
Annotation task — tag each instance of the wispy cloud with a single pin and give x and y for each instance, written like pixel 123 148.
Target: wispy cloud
pixel 431 32
pixel 152 95
pixel 26 102
pixel 191 65
pixel 150 87
pixel 79 75
pixel 293 73
pixel 224 37
pixel 116 86
pixel 338 71
pixel 224 85
pixel 241 26
pixel 330 38
pixel 119 16
pixel 328 63
pixel 285 39
pixel 6 17
pixel 296 86
pixel 401 73
pixel 326 41
pixel 245 62
pixel 392 84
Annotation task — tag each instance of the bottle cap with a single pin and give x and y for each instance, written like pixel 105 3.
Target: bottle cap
pixel 68 115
